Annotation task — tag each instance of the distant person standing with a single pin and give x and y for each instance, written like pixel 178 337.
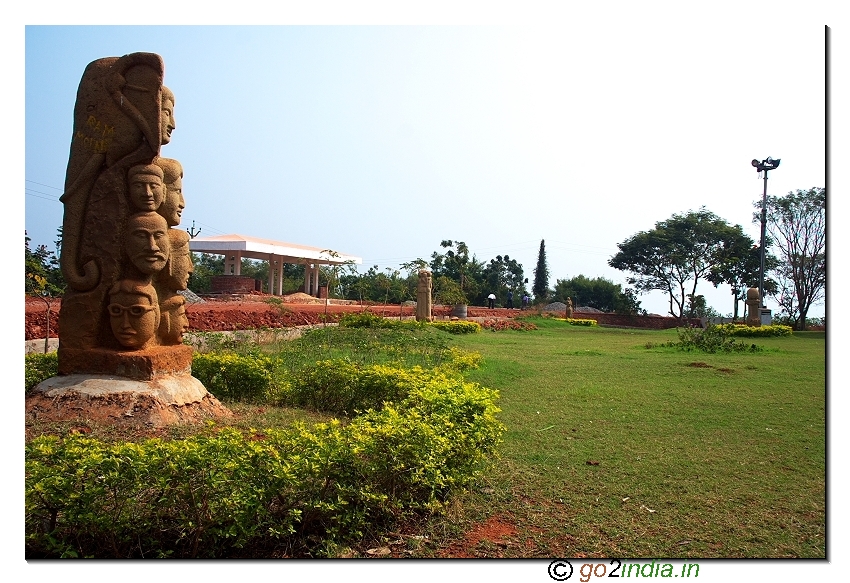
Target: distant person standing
pixel 524 301
pixel 510 302
pixel 491 301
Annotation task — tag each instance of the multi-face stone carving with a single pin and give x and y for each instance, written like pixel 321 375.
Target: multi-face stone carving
pixel 122 257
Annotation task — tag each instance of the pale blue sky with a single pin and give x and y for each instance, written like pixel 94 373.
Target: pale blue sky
pixel 380 141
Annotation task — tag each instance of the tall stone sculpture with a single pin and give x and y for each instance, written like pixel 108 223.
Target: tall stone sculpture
pixel 753 307
pixel 423 296
pixel 569 310
pixel 122 318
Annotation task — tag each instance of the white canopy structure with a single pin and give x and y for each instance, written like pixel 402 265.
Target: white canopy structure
pixel 236 247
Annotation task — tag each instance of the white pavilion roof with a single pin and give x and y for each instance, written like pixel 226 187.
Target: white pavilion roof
pixel 256 248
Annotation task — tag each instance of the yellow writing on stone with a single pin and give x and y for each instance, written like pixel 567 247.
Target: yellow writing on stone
pixel 106 130
pixel 97 136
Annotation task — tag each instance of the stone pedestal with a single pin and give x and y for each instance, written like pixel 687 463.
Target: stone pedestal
pixel 110 399
pixel 136 364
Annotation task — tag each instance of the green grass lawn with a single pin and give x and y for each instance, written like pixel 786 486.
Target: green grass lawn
pixel 614 449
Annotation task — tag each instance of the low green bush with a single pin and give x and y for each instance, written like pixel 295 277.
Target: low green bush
pixel 39 367
pixel 228 493
pixel 238 378
pixel 458 326
pixel 581 322
pixel 710 339
pixel 462 360
pixel 344 387
pixel 756 331
pixel 365 320
pixel 369 320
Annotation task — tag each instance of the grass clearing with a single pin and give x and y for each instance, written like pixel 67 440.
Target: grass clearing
pixel 614 449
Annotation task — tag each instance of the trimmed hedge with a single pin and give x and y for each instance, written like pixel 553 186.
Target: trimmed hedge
pixel 344 387
pixel 253 494
pixel 369 320
pixel 755 331
pixel 237 378
pixel 581 322
pixel 458 326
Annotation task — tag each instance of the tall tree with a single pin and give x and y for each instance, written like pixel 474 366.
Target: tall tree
pixel 541 275
pixel 44 264
pixel 740 269
pixel 599 293
pixel 458 265
pixel 500 276
pixel 677 252
pixel 797 225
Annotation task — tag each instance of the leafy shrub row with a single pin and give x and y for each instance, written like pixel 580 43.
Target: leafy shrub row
pixel 230 493
pixel 499 325
pixel 458 326
pixel 369 320
pixel 39 367
pixel 462 360
pixel 344 387
pixel 756 331
pixel 711 339
pixel 236 377
pixel 581 322
pixel 341 386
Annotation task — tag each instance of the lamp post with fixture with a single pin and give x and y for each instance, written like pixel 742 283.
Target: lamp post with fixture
pixel 763 166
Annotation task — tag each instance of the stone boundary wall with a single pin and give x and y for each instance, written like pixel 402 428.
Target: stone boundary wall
pixel 649 322
pixel 232 284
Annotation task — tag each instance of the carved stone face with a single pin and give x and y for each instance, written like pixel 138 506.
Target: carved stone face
pixel 146 242
pixel 183 269
pixel 178 325
pixel 167 121
pixel 174 203
pixel 147 192
pixel 180 269
pixel 134 317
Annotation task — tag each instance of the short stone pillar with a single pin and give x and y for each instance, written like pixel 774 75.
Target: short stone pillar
pixel 569 308
pixel 753 307
pixel 423 297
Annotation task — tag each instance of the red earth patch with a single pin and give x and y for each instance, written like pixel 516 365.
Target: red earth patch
pixel 495 530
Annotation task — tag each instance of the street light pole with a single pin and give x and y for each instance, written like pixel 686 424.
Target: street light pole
pixel 763 229
pixel 763 166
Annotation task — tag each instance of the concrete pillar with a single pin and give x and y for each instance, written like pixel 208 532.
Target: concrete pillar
pixel 280 277
pixel 238 263
pixel 306 278
pixel 271 273
pixel 315 280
